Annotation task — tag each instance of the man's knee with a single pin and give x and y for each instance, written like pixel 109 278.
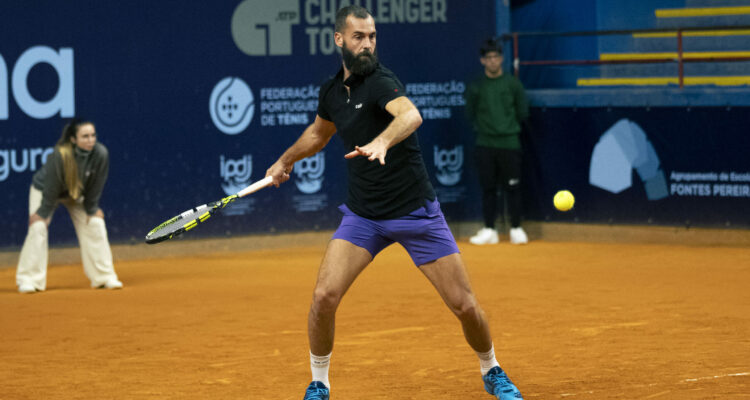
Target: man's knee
pixel 325 300
pixel 466 308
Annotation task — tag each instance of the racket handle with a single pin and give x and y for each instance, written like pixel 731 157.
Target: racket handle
pixel 265 182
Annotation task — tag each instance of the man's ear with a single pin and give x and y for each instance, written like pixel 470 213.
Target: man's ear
pixel 338 39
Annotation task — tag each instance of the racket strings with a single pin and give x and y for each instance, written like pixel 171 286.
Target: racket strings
pixel 187 220
pixel 181 221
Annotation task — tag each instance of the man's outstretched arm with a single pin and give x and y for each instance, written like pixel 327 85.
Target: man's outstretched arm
pixel 406 120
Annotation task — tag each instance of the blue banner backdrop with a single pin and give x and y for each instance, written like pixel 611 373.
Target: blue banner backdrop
pixel 640 165
pixel 195 100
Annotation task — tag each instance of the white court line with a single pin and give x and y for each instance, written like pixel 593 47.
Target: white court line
pixel 717 376
pixel 685 380
pixel 575 394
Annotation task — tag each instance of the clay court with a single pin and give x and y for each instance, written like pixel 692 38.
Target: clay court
pixel 571 320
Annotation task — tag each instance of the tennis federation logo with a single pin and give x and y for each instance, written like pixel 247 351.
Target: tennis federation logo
pixel 236 173
pixel 622 148
pixel 449 163
pixel 309 173
pixel 231 105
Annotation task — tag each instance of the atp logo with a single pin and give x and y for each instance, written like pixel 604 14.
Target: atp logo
pixel 231 105
pixel 236 173
pixel 310 173
pixel 620 149
pixel 264 27
pixel 449 165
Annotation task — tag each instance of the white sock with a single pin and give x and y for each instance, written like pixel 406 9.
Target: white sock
pixel 319 367
pixel 487 360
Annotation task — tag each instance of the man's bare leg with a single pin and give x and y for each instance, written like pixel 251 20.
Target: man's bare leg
pixel 448 275
pixel 342 263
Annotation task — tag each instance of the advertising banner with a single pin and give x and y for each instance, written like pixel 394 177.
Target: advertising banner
pixel 668 166
pixel 196 100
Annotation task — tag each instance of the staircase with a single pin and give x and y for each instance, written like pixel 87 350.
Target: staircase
pixel 727 43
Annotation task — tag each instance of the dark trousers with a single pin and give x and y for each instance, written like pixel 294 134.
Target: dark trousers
pixel 499 168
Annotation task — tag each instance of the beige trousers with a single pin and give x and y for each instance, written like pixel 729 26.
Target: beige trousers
pixel 92 237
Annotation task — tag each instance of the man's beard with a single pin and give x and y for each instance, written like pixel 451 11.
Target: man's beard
pixel 361 64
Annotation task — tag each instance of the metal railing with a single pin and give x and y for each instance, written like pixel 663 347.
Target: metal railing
pixel 680 59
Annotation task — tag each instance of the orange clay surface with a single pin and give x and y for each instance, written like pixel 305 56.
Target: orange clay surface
pixel 569 321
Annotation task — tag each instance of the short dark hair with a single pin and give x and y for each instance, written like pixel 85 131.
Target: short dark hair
pixel 344 12
pixel 490 45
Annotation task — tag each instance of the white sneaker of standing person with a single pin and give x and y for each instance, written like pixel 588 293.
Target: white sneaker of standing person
pixel 485 236
pixel 518 236
pixel 111 284
pixel 26 288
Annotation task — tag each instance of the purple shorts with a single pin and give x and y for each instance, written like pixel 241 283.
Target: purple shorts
pixel 423 233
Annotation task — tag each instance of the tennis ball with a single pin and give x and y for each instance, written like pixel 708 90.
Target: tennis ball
pixel 564 200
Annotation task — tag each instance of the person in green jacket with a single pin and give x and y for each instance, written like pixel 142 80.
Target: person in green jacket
pixel 73 175
pixel 496 106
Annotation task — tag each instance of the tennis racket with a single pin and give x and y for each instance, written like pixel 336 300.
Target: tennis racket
pixel 195 216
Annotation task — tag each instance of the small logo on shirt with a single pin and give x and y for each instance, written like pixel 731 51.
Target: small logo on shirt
pixel 358 106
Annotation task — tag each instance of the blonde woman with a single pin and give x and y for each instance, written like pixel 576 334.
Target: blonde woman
pixel 74 176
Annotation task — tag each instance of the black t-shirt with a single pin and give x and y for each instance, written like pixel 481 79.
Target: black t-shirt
pixel 375 191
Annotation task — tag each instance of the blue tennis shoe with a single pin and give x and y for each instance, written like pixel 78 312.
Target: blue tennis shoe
pixel 497 383
pixel 316 391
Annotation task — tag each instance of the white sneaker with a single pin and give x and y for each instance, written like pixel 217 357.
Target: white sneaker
pixel 485 236
pixel 26 288
pixel 111 284
pixel 518 236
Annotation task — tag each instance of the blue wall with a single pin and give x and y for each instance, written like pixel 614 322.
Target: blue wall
pixel 697 136
pixel 157 78
pixel 690 166
pixel 148 74
pixel 554 16
pixel 601 15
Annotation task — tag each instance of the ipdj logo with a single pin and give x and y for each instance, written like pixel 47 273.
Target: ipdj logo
pixel 236 173
pixel 264 27
pixel 620 149
pixel 449 165
pixel 231 105
pixel 310 173
pixel 63 102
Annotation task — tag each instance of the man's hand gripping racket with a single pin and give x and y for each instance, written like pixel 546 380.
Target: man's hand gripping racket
pixel 194 216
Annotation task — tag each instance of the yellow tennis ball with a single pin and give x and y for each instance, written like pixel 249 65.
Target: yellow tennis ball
pixel 564 200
